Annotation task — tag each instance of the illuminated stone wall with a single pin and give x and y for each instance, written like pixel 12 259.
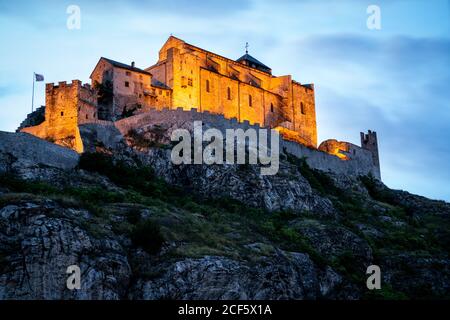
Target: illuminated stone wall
pixel 130 90
pixel 62 115
pixel 209 82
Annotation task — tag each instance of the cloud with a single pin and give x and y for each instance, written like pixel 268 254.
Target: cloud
pixel 397 86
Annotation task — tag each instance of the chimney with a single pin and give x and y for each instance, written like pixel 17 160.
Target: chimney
pixel 132 64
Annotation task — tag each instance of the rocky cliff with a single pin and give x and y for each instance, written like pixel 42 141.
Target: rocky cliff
pixel 140 227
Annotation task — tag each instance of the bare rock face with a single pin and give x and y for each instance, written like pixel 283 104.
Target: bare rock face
pixel 286 275
pixel 40 240
pixel 21 151
pixel 288 190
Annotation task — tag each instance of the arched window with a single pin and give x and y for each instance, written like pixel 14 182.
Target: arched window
pixel 302 108
pixel 207 85
pixel 250 102
pixel 229 93
pixel 271 107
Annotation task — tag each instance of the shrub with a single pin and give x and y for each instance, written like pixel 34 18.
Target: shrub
pixel 147 235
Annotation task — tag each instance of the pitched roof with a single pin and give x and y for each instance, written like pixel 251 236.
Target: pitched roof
pixel 125 66
pixel 258 64
pixel 254 62
pixel 159 84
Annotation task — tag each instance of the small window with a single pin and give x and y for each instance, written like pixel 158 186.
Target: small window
pixel 87 117
pixel 127 84
pixel 190 82
pixel 140 76
pixel 229 93
pixel 95 114
pixel 302 108
pixel 160 92
pixel 250 100
pixel 271 107
pixel 167 93
pixel 207 85
pixel 62 113
pixel 128 73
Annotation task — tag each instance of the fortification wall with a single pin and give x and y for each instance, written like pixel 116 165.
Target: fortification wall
pixel 360 161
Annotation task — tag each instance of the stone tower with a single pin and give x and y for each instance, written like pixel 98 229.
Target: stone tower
pixel 369 142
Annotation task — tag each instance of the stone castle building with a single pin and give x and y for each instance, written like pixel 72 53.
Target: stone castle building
pixel 188 77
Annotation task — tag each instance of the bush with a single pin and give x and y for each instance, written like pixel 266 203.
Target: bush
pixel 147 235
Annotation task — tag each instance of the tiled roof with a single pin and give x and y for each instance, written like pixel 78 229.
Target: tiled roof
pixel 126 66
pixel 252 61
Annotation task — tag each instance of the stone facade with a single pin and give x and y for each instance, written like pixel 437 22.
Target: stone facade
pixel 237 89
pixel 67 106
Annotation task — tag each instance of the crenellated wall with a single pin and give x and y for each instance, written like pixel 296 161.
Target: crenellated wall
pixel 209 82
pixel 359 161
pixel 67 106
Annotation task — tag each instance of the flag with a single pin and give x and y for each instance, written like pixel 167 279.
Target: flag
pixel 39 77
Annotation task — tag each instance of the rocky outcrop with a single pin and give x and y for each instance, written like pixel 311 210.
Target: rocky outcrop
pixel 296 235
pixel 21 151
pixel 39 240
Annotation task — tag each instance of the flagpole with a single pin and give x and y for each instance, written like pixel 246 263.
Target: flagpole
pixel 32 98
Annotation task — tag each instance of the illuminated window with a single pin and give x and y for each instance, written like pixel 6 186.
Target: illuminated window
pixel 302 108
pixel 250 100
pixel 229 93
pixel 127 84
pixel 207 85
pixel 271 107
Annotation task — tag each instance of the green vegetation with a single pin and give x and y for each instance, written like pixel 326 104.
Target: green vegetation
pixel 147 235
pixel 205 226
pixel 318 180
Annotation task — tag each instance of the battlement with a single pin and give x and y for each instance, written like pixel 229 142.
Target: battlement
pixel 63 85
pixel 369 141
pixel 358 161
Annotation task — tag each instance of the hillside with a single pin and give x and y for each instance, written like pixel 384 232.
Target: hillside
pixel 142 228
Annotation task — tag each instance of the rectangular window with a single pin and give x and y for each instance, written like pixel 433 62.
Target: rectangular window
pixel 127 84
pixel 207 86
pixel 128 73
pixel 190 82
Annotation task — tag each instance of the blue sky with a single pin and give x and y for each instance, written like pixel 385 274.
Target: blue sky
pixel 395 80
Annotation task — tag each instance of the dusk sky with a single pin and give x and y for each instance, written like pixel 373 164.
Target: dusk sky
pixel 395 81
